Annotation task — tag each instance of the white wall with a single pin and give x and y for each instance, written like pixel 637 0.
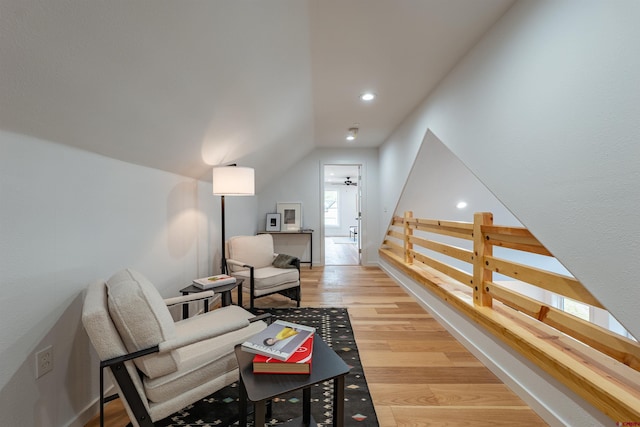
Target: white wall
pixel 68 218
pixel 543 111
pixel 303 183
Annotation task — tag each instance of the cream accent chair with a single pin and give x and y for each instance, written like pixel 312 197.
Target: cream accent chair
pixel 251 258
pixel 159 366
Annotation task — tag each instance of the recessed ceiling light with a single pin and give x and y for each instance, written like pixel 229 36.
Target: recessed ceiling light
pixel 368 96
pixel 461 205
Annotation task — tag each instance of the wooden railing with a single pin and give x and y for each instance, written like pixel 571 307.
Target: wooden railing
pixel 599 365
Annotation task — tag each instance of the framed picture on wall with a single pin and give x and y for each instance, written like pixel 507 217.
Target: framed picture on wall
pixel 273 222
pixel 290 215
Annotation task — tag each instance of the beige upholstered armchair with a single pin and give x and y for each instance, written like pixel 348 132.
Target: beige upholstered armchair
pixel 252 258
pixel 159 366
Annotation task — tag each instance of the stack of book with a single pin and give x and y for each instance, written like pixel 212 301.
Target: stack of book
pixel 282 348
pixel 213 281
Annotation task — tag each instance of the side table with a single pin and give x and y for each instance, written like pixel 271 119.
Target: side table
pixel 223 290
pixel 260 388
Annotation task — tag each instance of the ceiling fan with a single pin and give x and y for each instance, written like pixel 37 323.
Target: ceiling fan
pixel 346 182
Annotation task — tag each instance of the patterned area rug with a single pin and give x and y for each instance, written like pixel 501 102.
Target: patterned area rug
pixel 333 325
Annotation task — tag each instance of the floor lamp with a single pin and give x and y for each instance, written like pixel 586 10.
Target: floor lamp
pixel 231 181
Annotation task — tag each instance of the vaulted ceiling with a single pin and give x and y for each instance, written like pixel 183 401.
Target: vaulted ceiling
pixel 183 85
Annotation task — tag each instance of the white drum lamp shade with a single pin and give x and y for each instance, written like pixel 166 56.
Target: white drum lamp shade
pixel 233 181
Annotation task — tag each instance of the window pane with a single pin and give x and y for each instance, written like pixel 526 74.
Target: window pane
pixel 576 308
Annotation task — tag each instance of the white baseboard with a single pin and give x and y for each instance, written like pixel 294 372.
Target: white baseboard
pixel 89 412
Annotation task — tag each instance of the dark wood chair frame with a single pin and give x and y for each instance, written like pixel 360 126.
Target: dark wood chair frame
pixel 292 293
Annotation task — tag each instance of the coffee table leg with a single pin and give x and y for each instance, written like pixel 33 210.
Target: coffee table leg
pixel 259 414
pixel 338 401
pixel 306 406
pixel 242 400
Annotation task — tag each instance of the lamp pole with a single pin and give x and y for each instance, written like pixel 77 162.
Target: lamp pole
pixel 223 264
pixel 231 181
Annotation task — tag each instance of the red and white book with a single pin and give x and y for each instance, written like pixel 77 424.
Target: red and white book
pixel 279 340
pixel 298 363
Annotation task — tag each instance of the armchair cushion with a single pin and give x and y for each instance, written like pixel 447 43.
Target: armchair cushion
pixel 142 320
pixel 206 359
pixel 268 278
pixel 256 251
pixel 188 336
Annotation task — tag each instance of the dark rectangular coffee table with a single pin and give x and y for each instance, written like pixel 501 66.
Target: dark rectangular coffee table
pixel 259 388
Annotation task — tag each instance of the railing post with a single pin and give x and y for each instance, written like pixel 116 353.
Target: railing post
pixel 408 232
pixel 481 248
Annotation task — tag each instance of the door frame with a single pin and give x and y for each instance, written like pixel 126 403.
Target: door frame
pixel 359 205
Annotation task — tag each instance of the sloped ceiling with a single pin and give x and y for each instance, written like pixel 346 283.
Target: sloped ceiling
pixel 183 85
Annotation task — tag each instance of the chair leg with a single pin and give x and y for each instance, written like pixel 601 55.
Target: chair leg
pixel 131 395
pixel 101 396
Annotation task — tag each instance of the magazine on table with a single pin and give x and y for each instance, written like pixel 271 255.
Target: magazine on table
pixel 213 281
pixel 279 340
pixel 298 363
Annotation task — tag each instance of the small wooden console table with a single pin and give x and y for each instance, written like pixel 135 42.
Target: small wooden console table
pixel 292 233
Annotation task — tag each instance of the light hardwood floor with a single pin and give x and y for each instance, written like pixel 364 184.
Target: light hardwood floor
pixel 417 373
pixel 340 253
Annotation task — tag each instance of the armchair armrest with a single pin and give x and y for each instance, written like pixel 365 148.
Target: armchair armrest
pixel 238 263
pixel 170 345
pixel 189 298
pixel 128 356
pixel 267 317
pixel 252 282
pixel 205 334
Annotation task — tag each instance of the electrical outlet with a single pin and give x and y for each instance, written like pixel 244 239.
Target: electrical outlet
pixel 44 361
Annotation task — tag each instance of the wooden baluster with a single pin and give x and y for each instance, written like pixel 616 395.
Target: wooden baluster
pixel 481 248
pixel 408 232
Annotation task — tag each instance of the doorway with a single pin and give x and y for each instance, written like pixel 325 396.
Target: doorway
pixel 342 214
